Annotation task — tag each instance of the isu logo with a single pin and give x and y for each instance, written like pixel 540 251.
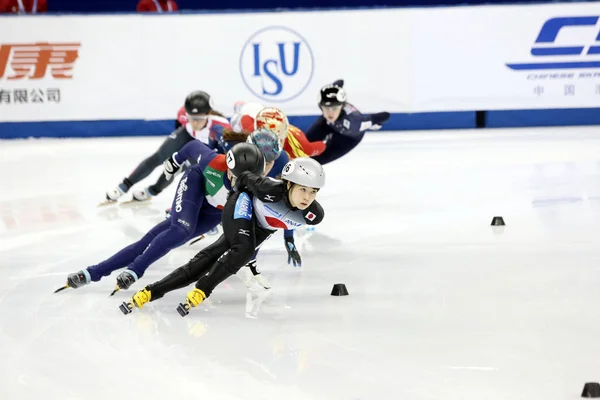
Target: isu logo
pixel 34 61
pixel 276 64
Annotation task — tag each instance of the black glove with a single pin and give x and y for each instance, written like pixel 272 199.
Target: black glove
pixel 293 255
pixel 170 168
pixel 240 182
pixel 379 119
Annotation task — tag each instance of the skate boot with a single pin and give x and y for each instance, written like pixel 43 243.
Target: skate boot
pixel 194 298
pixel 142 195
pixel 76 280
pixel 114 193
pixel 138 300
pixel 125 280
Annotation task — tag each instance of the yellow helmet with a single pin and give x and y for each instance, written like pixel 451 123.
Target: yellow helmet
pixel 274 120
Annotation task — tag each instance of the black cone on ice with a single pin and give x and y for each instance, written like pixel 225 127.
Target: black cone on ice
pixel 591 389
pixel 498 221
pixel 339 289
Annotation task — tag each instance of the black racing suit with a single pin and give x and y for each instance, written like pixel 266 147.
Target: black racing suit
pixel 241 236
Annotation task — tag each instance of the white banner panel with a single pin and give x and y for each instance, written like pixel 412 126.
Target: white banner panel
pixel 405 60
pixel 279 59
pixel 505 57
pixel 143 66
pixel 70 68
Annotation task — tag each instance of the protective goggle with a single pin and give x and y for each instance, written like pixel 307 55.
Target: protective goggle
pixel 196 118
pixel 332 107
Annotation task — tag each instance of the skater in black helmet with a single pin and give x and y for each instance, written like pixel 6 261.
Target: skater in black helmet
pixel 201 121
pixel 251 215
pixel 341 125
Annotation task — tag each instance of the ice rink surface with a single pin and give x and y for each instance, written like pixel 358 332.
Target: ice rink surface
pixel 441 305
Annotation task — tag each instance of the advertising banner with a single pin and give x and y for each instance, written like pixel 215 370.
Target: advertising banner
pixel 505 57
pixel 141 67
pixel 70 68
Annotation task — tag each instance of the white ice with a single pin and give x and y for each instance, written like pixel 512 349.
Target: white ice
pixel 441 305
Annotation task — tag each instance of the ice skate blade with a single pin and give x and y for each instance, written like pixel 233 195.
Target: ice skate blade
pixel 183 309
pixel 196 240
pixel 107 203
pixel 133 203
pixel 60 289
pixel 124 307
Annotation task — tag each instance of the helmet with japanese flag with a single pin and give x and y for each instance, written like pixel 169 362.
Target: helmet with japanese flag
pixel 274 120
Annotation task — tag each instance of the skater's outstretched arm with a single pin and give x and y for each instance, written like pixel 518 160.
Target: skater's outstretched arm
pixel 194 150
pixel 354 124
pixel 265 188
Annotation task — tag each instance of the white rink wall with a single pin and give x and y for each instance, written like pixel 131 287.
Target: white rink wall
pixel 132 67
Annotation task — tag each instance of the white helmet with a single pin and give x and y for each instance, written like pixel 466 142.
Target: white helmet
pixel 274 120
pixel 251 109
pixel 245 114
pixel 304 171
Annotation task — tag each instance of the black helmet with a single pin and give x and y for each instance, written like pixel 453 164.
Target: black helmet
pixel 332 95
pixel 198 103
pixel 245 157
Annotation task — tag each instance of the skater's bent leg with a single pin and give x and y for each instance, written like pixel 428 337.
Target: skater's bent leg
pixel 190 272
pixel 186 206
pixel 208 219
pixel 125 256
pixel 174 142
pixel 161 183
pixel 173 237
pixel 144 169
pixel 239 255
pixel 240 232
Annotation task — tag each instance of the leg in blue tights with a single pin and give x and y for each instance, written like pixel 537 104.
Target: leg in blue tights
pixel 164 237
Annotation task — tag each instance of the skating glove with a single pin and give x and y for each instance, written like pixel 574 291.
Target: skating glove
pixel 170 167
pixel 379 119
pixel 293 255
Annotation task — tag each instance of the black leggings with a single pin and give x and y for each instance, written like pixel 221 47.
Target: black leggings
pixel 223 258
pixel 173 143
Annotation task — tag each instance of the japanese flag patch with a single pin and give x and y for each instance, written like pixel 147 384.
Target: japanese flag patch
pixel 310 216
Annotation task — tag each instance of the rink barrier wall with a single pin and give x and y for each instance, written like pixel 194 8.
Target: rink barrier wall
pixel 441 68
pixel 114 128
pixel 398 122
pixel 533 118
